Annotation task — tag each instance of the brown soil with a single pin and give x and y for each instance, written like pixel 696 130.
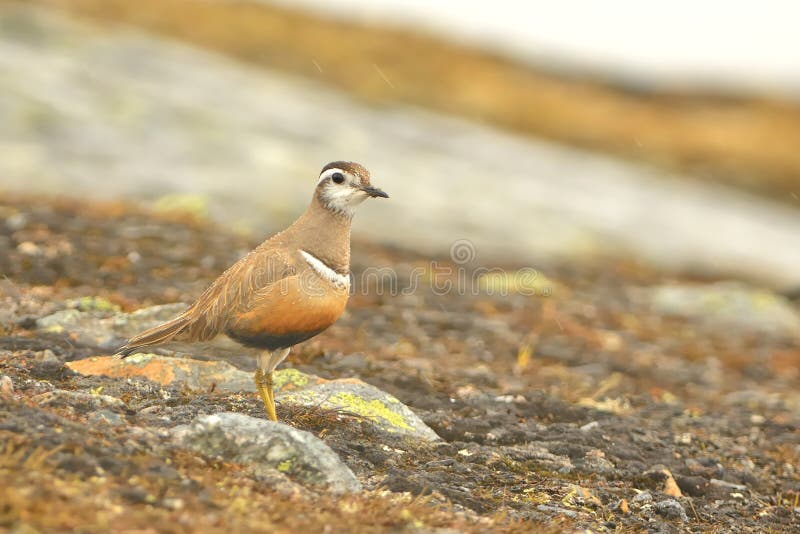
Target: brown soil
pixel 507 381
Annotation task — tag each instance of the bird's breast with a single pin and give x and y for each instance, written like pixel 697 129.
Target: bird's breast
pixel 289 311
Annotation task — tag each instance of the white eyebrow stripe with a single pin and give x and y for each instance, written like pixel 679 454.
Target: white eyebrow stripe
pixel 325 271
pixel 328 173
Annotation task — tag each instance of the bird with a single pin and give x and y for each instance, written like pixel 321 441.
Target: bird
pixel 290 288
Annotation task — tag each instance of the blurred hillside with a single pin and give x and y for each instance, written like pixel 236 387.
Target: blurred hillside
pixel 749 142
pixel 119 113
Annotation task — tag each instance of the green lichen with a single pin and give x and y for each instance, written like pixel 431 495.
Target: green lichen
pixel 285 466
pixel 286 377
pixel 373 409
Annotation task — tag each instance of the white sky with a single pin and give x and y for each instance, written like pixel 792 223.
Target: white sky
pixel 743 44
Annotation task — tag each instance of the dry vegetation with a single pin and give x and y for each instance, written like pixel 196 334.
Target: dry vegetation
pixel 748 142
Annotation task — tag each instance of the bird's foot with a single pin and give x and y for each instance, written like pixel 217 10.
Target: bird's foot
pixel 264 385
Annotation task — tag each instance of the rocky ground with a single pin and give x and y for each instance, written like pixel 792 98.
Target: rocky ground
pixel 608 396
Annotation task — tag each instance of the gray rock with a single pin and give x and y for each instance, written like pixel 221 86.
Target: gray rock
pixel 62 397
pixel 671 509
pixel 724 484
pixel 643 497
pixel 588 427
pixel 557 510
pixel 364 400
pixel 106 417
pixel 728 304
pixel 101 326
pixel 267 447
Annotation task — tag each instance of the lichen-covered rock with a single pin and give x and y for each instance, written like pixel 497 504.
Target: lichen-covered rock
pixel 194 374
pixel 96 322
pixel 362 399
pixel 266 447
pixel 728 304
pixel 291 386
pixel 165 370
pixel 73 399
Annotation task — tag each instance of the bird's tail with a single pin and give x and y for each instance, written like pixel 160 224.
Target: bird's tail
pixel 154 336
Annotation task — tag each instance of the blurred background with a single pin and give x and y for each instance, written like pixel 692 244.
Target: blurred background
pixel 539 131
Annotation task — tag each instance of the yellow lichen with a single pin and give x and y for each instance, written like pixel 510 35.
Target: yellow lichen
pixel 285 466
pixel 94 304
pixel 373 409
pixel 289 377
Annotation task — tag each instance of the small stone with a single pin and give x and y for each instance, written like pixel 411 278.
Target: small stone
pixel 62 397
pixel 580 497
pixel 6 387
pixel 757 419
pixel 557 510
pixel 16 222
pixel 708 467
pixel 671 509
pixel 588 427
pixel 642 497
pixel 46 356
pixel 29 248
pixel 622 507
pixel 595 461
pixel 695 486
pixel 727 485
pixel 663 481
pixel 267 447
pixel 106 417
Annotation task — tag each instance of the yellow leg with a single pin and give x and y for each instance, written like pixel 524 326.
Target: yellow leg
pixel 263 382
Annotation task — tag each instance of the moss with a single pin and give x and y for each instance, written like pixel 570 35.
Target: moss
pixel 373 409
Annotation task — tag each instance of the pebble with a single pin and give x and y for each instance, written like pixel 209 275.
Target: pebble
pixel 29 248
pixel 6 386
pixel 46 356
pixel 693 485
pixel 671 509
pixel 728 485
pixel 664 481
pixel 588 427
pixel 106 417
pixel 558 510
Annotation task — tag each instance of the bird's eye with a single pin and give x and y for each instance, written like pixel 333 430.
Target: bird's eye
pixel 337 177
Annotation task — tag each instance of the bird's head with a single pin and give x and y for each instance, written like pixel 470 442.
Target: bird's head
pixel 343 185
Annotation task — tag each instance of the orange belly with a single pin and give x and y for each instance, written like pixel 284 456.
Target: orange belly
pixel 288 312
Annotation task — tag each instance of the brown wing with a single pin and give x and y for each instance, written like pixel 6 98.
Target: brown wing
pixel 229 295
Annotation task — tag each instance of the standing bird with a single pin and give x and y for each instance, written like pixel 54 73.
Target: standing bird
pixel 289 289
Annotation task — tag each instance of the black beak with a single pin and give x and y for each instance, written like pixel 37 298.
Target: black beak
pixel 374 191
